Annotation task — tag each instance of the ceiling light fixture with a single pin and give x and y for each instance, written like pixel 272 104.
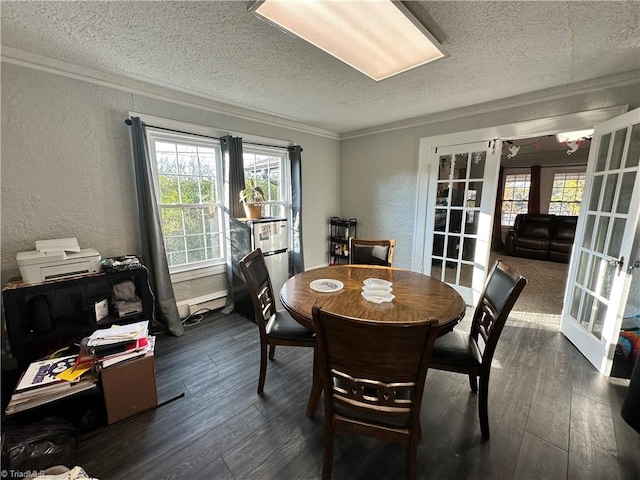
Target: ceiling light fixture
pixel 566 137
pixel 380 38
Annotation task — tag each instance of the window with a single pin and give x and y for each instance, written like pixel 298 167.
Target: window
pixel 189 185
pixel 268 166
pixel 567 193
pixel 515 199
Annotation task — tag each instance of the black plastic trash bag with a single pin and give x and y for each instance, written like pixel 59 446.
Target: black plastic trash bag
pixel 51 441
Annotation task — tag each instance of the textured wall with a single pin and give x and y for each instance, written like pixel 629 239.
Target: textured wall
pixel 67 167
pixel 378 172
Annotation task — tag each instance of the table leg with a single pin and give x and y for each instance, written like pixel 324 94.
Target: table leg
pixel 316 388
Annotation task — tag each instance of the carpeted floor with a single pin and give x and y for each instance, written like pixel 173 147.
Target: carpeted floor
pixel 542 298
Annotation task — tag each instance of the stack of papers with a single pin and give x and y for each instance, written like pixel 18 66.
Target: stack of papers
pixel 377 290
pixel 119 333
pixel 44 382
pixel 119 343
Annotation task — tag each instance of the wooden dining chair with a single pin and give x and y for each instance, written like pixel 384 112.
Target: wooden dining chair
pixel 371 252
pixel 373 376
pixel 472 353
pixel 276 327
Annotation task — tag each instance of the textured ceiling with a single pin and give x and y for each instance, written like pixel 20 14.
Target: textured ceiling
pixel 220 51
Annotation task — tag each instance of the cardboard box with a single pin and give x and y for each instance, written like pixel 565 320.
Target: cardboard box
pixel 129 388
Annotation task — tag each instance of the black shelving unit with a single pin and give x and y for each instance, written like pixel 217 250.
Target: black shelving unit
pixel 44 317
pixel 341 231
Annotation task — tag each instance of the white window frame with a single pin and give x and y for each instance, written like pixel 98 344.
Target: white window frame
pixel 565 173
pixel 285 176
pixel 508 174
pixel 208 267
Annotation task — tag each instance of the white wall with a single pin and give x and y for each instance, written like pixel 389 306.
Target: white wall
pixel 378 171
pixel 67 167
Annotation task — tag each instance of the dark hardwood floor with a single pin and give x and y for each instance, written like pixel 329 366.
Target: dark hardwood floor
pixel 551 416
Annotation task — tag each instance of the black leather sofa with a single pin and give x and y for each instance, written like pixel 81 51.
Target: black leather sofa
pixel 542 237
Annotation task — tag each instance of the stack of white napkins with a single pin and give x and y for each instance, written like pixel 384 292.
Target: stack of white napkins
pixel 377 290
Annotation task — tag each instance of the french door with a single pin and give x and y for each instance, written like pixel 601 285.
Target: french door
pixel 601 264
pixel 461 200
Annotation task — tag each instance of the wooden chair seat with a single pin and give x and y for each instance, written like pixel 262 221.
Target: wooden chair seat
pixel 457 348
pixel 281 325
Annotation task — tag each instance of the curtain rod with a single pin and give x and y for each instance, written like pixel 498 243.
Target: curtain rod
pixel 128 122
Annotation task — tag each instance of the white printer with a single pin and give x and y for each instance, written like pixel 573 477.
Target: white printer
pixel 57 259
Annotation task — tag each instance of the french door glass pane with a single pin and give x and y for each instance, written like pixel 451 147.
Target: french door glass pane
pixel 453 245
pixel 474 196
pixel 633 155
pixel 593 273
pixel 477 165
pixel 575 302
pixel 438 245
pixel 609 271
pixel 469 249
pixel 471 226
pixel 582 267
pixel 618 147
pixel 595 193
pixel 466 275
pixel 450 273
pixel 603 151
pixel 441 219
pixel 585 313
pixel 444 169
pixel 457 194
pixel 626 192
pixel 586 239
pixel 601 235
pixel 616 237
pixel 462 160
pixel 609 192
pixel 599 314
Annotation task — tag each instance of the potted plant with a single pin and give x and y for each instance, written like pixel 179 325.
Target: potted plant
pixel 252 199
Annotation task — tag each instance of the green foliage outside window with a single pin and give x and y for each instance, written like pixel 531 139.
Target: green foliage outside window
pixel 188 202
pixel 566 194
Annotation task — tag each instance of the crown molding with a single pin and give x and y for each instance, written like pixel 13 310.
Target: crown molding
pixel 555 93
pixel 169 93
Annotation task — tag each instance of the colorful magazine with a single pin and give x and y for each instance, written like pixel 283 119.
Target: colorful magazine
pixel 44 372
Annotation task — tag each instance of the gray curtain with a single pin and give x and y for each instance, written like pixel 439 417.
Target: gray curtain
pixel 234 173
pixel 233 167
pixel 296 265
pixel 153 251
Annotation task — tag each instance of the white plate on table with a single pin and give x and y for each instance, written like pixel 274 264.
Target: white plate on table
pixel 326 285
pixel 378 296
pixel 378 282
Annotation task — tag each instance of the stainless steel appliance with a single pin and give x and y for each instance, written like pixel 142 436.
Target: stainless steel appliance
pixel 271 235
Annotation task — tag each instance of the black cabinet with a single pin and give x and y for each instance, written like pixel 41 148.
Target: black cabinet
pixel 45 317
pixel 341 231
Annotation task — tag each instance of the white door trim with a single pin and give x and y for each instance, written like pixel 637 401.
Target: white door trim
pixel 537 127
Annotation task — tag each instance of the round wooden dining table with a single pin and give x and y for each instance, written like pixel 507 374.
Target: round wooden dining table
pixel 417 298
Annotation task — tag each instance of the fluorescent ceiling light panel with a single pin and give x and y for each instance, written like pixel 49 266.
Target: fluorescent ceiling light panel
pixel 572 136
pixel 378 37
